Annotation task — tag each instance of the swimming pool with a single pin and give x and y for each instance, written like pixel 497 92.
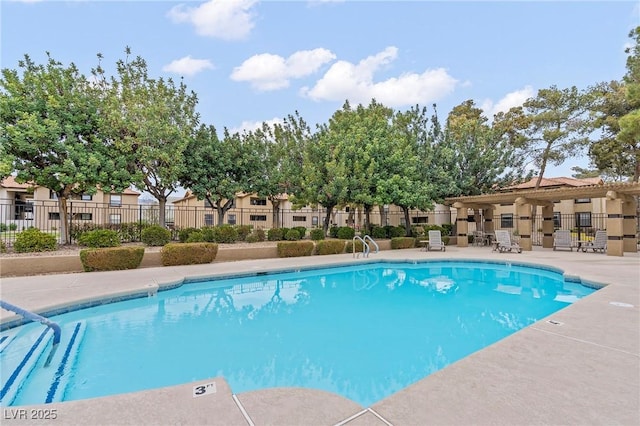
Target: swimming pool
pixel 362 331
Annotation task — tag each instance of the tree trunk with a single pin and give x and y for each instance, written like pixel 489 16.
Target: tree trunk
pixel 327 219
pixel 65 235
pixel 276 213
pixel 367 218
pixel 162 214
pixel 407 221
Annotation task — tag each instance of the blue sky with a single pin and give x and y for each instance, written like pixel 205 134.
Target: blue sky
pixel 253 61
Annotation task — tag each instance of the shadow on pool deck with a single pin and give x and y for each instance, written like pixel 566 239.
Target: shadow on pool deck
pixel 584 370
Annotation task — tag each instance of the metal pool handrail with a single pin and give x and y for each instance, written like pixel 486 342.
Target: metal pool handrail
pixel 57 331
pixel 367 237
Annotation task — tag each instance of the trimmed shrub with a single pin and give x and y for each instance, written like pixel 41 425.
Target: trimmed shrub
pixel 260 234
pixel 32 240
pixel 378 232
pixel 397 231
pixel 295 248
pixel 346 232
pixel 252 238
pixel 402 243
pixel 111 259
pixel 302 230
pixel 13 226
pixel 349 246
pixel 183 234
pixel 292 235
pixel 208 234
pixel 195 237
pixel 275 234
pixel 226 234
pixel 99 238
pixel 174 254
pixel 155 235
pixel 446 229
pixel 333 231
pixel 330 247
pixel 3 227
pixel 316 234
pixel 243 231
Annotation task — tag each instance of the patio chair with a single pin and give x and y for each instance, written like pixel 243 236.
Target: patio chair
pixel 504 244
pixel 599 243
pixel 562 240
pixel 435 241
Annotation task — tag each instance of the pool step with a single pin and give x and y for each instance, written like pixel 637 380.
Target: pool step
pixel 48 384
pixel 19 356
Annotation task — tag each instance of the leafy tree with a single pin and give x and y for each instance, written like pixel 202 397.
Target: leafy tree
pixel 479 156
pixel 217 170
pixel 51 133
pixel 556 127
pixel 151 122
pixel 629 134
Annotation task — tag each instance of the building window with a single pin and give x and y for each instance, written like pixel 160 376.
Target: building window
pixel 258 201
pixel 420 219
pixel 115 200
pixel 86 197
pixel 506 204
pixel 231 219
pixel 52 195
pixel 83 216
pixel 557 220
pixel 314 221
pixel 506 220
pixel 115 218
pixel 299 218
pixel 258 217
pixel 208 219
pixel 583 219
pixel 582 200
pixel 54 216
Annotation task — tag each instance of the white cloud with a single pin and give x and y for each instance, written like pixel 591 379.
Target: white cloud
pixel 249 126
pixel 271 72
pixel 225 19
pixel 188 66
pixel 509 101
pixel 355 82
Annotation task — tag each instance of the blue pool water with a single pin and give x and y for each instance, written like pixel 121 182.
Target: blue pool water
pixel 362 331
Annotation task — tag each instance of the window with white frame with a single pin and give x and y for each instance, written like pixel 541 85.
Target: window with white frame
pixel 115 200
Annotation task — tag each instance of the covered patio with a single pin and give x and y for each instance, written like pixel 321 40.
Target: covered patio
pixel 621 211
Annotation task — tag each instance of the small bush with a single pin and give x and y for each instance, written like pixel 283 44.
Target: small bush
pixel 13 226
pixel 226 234
pixel 195 237
pixel 402 243
pixel 208 234
pixel 333 231
pixel 302 230
pixel 111 259
pixel 295 248
pixel 243 231
pixel 156 235
pixel 275 234
pixel 3 227
pixel 292 235
pixel 3 247
pixel 99 238
pixel 397 231
pixel 349 246
pixel 183 234
pixel 188 253
pixel 252 238
pixel 378 232
pixel 316 234
pixel 260 234
pixel 346 233
pixel 32 240
pixel 330 247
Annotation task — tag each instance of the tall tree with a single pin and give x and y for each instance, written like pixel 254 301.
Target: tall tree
pixel 151 122
pixel 51 134
pixel 216 170
pixel 629 134
pixel 557 127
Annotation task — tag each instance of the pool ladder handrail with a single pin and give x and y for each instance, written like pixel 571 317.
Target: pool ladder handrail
pixel 57 331
pixel 366 248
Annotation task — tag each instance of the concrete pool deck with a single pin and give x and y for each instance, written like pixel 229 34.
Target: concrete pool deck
pixel 585 369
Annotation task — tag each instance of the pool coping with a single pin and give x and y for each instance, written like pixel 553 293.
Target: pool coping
pixel 584 339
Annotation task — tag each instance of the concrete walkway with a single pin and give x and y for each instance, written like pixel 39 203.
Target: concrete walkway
pixel 585 369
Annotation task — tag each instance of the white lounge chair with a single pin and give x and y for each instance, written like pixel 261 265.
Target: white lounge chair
pixel 562 240
pixel 503 242
pixel 599 243
pixel 435 241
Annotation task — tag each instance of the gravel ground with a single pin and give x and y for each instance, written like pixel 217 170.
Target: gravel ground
pixel 74 249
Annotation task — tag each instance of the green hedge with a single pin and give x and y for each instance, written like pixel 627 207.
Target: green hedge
pixel 99 238
pixel 402 243
pixel 32 240
pixel 330 247
pixel 295 248
pixel 155 235
pixel 316 234
pixel 111 259
pixel 349 246
pixel 173 254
